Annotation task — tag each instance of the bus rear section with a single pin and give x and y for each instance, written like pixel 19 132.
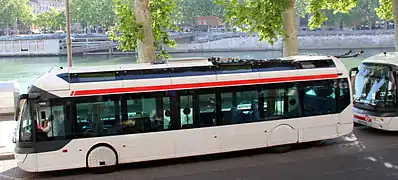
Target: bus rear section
pixel 375 92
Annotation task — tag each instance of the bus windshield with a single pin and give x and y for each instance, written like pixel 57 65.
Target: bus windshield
pixel 24 127
pixel 375 85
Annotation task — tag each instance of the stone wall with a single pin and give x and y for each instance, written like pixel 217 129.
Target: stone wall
pixel 305 42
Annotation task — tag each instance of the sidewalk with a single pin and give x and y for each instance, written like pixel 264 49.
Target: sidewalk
pixel 7 117
pixel 6 144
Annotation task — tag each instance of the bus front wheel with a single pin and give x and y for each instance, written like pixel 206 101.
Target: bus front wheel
pixel 102 159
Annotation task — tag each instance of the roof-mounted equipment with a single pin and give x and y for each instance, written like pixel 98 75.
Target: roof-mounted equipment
pixel 347 55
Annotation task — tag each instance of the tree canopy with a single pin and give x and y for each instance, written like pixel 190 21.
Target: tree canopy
pixel 51 19
pixel 92 12
pixel 192 8
pixel 12 11
pixel 385 10
pixel 127 31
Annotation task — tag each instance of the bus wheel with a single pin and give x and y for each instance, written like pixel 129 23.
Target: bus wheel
pixel 102 159
pixel 281 149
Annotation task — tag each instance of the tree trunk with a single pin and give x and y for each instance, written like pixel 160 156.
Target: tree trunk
pixel 146 50
pixel 395 13
pixel 289 24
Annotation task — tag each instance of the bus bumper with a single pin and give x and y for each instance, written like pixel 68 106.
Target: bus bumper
pixel 27 162
pixel 382 123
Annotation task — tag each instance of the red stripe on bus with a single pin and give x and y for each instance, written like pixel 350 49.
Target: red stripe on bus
pixel 201 85
pixel 360 117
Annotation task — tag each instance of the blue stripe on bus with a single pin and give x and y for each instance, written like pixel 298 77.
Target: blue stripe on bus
pixel 65 77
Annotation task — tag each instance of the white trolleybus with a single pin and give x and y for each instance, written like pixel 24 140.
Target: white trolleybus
pixel 108 115
pixel 375 95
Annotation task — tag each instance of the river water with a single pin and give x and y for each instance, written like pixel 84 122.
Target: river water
pixel 25 70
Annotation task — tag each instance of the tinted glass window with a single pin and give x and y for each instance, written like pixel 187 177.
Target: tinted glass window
pixel 192 71
pixel 64 76
pixel 147 114
pixel 186 111
pixel 279 103
pixel 98 118
pixel 207 110
pixel 50 120
pixel 273 66
pixel 240 107
pixel 93 77
pixel 146 74
pixel 319 99
pixel 345 96
pixel 226 69
pixel 25 125
pixel 317 64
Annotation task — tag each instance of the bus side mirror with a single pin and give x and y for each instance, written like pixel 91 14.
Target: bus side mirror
pixel 354 72
pixel 33 95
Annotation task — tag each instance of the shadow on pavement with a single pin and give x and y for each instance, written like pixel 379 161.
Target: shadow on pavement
pixel 171 162
pixel 16 173
pixel 378 132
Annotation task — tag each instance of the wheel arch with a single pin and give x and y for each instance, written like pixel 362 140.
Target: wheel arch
pixel 104 145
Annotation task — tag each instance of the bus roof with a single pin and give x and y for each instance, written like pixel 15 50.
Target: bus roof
pixel 390 58
pixel 180 62
pixel 181 73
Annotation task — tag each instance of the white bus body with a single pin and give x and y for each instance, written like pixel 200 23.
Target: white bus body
pixel 375 96
pixel 177 110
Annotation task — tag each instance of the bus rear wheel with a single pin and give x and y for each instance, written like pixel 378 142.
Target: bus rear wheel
pixel 102 159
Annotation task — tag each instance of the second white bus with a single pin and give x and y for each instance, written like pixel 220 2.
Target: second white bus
pixel 375 96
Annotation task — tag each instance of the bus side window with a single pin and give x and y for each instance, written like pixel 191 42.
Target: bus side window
pixel 240 107
pixel 186 114
pixel 147 114
pixel 207 110
pixel 99 118
pixel 319 99
pixel 279 103
pixel 345 96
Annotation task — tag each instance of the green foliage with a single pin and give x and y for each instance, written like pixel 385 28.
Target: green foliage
pixel 161 11
pixel 127 31
pixel 126 25
pixel 318 9
pixel 92 12
pixel 193 8
pixel 261 16
pixel 51 19
pixel 301 7
pixel 363 13
pixel 13 10
pixel 384 11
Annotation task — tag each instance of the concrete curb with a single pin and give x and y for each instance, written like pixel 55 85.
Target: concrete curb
pixel 6 156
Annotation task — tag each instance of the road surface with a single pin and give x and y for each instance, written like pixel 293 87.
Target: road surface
pixel 365 154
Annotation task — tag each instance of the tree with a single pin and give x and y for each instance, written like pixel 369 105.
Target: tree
pixel 193 8
pixel 272 19
pixel 388 10
pixel 12 11
pixel 131 33
pixel 50 19
pixel 92 12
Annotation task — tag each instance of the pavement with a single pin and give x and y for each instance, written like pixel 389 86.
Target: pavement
pixel 6 134
pixel 364 154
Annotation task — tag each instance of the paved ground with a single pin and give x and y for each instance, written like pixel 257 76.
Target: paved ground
pixel 6 117
pixel 366 154
pixel 6 133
